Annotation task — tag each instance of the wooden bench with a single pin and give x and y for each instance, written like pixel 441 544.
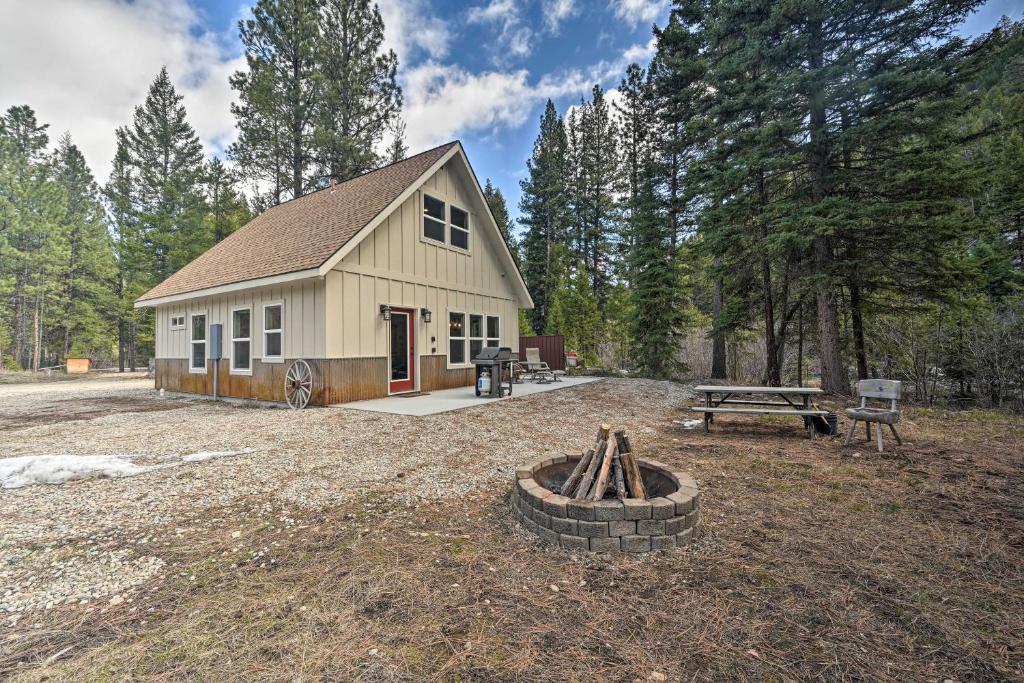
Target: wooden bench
pixel 719 399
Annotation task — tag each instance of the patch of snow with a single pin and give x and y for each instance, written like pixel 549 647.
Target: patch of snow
pixel 25 470
pixel 689 424
pixel 214 455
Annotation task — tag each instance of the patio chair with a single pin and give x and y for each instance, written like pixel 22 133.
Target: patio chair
pixel 882 389
pixel 538 369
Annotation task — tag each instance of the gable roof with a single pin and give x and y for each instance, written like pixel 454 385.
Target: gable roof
pixel 302 234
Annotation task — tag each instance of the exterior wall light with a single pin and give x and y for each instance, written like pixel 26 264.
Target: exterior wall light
pixel 385 312
pixel 425 314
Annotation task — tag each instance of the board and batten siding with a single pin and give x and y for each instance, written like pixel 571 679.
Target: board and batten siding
pixel 394 265
pixel 303 314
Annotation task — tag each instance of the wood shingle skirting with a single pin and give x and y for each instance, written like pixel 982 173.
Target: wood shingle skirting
pixel 338 380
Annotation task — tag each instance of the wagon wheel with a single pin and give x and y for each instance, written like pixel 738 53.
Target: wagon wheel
pixel 298 384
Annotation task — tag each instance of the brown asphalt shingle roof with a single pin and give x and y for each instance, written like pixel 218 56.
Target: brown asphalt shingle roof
pixel 299 234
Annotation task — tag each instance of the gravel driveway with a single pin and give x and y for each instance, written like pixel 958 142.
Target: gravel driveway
pixel 87 540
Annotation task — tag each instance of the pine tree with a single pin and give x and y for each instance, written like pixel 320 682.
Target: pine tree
pixel 228 208
pixel 33 244
pixel 499 209
pixel 397 150
pixel 655 281
pixel 157 199
pixel 544 217
pixel 596 180
pixel 575 314
pixel 359 100
pixel 82 321
pixel 278 97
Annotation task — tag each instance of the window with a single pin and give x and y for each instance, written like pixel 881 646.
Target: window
pixel 177 322
pixel 456 338
pixel 493 331
pixel 476 335
pixel 460 228
pixel 433 219
pixel 273 339
pixel 241 328
pixel 197 359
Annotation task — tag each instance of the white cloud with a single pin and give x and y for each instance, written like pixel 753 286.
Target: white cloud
pixel 514 39
pixel 637 12
pixel 495 11
pixel 557 11
pixel 640 53
pixel 84 66
pixel 409 28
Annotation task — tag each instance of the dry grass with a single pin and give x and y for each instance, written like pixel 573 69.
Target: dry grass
pixel 810 563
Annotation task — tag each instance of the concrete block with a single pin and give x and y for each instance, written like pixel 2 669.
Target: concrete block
pixel 663 542
pixel 608 510
pixel 651 527
pixel 621 528
pixel 542 518
pixel 554 505
pixel 662 508
pixel 593 529
pixel 580 509
pixel 636 544
pixel 548 535
pixel 570 542
pixel 675 525
pixel 683 502
pixel 636 509
pixel 683 537
pixel 564 526
pixel 605 545
pixel 692 519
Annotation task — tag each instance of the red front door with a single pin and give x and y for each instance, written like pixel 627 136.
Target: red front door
pixel 402 365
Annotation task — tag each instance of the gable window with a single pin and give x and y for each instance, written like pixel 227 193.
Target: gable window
pixel 241 340
pixel 459 228
pixel 197 358
pixel 177 322
pixel 456 338
pixel 433 218
pixel 273 340
pixel 476 335
pixel 493 330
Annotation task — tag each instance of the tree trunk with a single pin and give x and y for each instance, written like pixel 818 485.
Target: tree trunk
pixel 857 325
pixel 718 365
pixel 834 379
pixel 37 336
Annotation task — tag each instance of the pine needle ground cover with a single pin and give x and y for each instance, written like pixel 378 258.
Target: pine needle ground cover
pixel 811 561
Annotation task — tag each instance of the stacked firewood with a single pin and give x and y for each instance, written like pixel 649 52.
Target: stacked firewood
pixel 609 469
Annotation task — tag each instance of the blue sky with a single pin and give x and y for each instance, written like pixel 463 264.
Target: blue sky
pixel 477 70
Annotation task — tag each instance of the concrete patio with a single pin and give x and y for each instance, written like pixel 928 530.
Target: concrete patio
pixel 455 399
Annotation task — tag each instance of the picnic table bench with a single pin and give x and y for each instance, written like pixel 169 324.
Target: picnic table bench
pixel 795 401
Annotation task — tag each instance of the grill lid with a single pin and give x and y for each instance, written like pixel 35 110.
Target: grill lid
pixel 491 354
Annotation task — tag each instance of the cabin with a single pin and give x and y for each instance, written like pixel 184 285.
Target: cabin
pixel 388 283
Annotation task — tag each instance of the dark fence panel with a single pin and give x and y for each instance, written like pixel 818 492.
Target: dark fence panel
pixel 552 349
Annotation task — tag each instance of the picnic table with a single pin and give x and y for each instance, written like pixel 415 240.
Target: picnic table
pixel 795 401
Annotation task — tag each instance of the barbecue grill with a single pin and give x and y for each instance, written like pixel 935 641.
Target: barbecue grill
pixel 497 361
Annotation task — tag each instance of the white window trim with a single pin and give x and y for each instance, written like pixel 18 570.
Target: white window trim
pixel 184 321
pixel 452 226
pixel 449 339
pixel 263 322
pixel 423 215
pixel 191 343
pixel 487 338
pixel 231 328
pixel 470 338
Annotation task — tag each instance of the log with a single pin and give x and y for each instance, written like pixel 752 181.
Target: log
pixel 630 468
pixel 634 480
pixel 601 485
pixel 620 486
pixel 603 432
pixel 577 473
pixel 588 476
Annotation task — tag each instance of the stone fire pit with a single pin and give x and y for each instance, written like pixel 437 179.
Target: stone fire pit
pixel 663 521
